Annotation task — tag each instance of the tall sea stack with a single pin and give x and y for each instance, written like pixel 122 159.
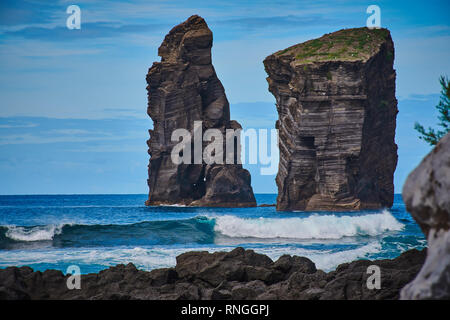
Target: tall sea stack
pixel 335 98
pixel 183 88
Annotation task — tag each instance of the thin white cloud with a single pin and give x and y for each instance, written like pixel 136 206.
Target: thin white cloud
pixel 18 125
pixel 28 138
pixel 36 48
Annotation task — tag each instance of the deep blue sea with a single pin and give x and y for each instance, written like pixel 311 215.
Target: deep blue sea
pixel 98 231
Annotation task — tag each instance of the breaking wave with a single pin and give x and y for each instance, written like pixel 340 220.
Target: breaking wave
pixel 225 229
pixel 37 233
pixel 312 227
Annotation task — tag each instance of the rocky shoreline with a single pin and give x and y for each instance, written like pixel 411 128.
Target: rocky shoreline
pixel 239 275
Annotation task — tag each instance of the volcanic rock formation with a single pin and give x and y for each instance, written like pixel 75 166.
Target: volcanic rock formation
pixel 238 274
pixel 427 197
pixel 183 88
pixel 335 98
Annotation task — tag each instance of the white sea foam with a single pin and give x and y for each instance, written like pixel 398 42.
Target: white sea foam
pixel 143 257
pixel 312 227
pixel 161 257
pixel 176 205
pixel 37 233
pixel 328 261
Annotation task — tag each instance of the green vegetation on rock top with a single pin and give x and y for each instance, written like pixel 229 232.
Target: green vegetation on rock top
pixel 347 45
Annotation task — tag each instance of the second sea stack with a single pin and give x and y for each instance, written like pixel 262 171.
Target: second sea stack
pixel 183 89
pixel 337 110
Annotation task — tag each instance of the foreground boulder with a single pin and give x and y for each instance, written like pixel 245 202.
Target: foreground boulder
pixel 183 89
pixel 337 110
pixel 239 274
pixel 427 197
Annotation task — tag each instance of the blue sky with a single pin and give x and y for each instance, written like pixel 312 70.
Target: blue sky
pixel 73 102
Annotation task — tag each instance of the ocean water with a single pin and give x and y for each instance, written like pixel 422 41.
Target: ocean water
pixel 99 231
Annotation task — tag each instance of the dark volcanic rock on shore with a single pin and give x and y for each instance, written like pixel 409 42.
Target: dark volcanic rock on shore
pixel 335 98
pixel 184 88
pixel 238 274
pixel 427 197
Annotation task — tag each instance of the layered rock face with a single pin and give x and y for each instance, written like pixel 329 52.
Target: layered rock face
pixel 238 274
pixel 183 88
pixel 337 110
pixel 427 197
